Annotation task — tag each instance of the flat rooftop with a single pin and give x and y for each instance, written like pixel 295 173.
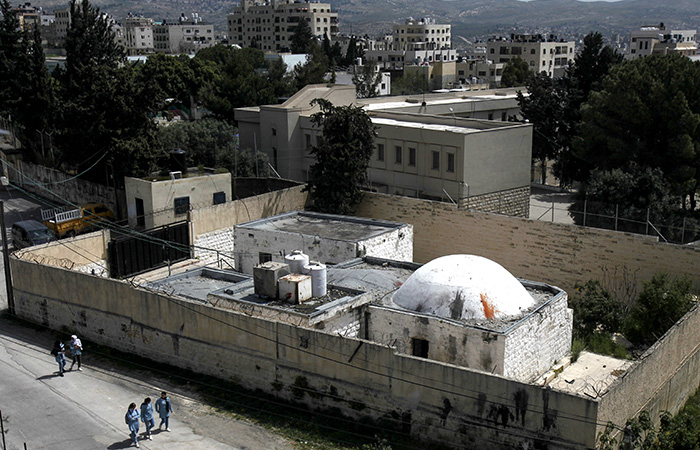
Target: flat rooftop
pixel 327 226
pixel 198 283
pixel 424 125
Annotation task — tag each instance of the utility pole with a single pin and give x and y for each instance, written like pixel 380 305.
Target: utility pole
pixel 6 261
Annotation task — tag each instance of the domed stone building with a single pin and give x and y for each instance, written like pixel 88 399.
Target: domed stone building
pixel 470 311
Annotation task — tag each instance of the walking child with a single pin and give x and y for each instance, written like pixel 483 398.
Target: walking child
pixel 164 407
pixel 59 352
pixel 132 419
pixel 76 351
pixel 147 416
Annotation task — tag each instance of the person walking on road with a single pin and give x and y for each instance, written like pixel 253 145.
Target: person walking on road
pixel 132 419
pixel 164 407
pixel 76 351
pixel 147 416
pixel 59 351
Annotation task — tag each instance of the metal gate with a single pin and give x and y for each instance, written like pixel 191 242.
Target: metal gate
pixel 130 254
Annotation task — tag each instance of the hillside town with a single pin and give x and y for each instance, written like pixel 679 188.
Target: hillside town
pixel 286 236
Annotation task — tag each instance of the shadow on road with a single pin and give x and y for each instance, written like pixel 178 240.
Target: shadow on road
pixel 46 377
pixel 123 444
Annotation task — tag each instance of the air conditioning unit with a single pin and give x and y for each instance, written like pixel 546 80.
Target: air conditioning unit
pixel 175 175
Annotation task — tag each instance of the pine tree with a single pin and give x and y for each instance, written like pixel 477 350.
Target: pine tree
pixel 342 157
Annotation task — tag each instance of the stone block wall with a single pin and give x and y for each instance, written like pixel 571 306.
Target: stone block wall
pixel 534 345
pixel 397 245
pixel 207 245
pixel 662 379
pixel 511 202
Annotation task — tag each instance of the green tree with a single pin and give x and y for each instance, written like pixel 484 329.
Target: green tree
pixel 595 310
pixel 343 153
pixel 313 71
pixel 515 73
pixel 412 82
pixel 545 108
pixel 105 110
pixel 662 302
pixel 303 38
pixel 10 55
pixel 648 111
pixel 366 79
pixel 36 111
pixel 553 106
pixel 242 78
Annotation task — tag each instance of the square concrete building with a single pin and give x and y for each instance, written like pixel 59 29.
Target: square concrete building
pixel 327 238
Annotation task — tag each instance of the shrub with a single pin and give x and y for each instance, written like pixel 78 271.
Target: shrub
pixel 662 302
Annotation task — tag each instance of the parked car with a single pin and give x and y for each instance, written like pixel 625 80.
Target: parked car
pixel 69 222
pixel 28 233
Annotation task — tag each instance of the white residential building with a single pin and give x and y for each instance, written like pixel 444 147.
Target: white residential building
pixel 656 39
pixel 541 53
pixel 185 35
pixel 269 25
pixel 138 35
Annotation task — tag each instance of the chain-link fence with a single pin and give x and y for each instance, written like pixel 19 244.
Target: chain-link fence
pixel 672 229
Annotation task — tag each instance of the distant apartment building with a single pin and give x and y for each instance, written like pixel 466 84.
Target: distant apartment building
pixel 453 74
pixel 542 53
pixel 138 35
pixel 270 24
pixel 185 35
pixel 61 24
pixel 413 42
pixel 657 40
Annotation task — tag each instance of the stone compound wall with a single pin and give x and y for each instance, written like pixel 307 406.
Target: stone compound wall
pixel 511 202
pixel 662 379
pixel 535 345
pixel 51 184
pixel 423 398
pixel 558 254
pixel 226 215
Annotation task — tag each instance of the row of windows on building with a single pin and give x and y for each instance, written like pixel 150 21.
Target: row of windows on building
pixel 519 51
pixel 399 154
pixel 420 31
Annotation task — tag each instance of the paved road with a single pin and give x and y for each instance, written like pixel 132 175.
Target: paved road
pixel 545 199
pixel 85 410
pixel 17 207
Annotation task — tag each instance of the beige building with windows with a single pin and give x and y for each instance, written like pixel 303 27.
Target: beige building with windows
pixel 185 35
pixel 270 24
pixel 423 34
pixel 436 146
pixel 413 42
pixel 542 53
pixel 138 35
pixel 657 40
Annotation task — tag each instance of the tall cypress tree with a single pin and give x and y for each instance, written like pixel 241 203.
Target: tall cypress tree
pixel 10 54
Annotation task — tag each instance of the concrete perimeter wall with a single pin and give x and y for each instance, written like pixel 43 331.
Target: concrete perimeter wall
pixel 53 186
pixel 662 379
pixel 557 254
pixel 423 398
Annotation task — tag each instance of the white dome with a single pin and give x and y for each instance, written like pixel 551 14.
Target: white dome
pixel 463 287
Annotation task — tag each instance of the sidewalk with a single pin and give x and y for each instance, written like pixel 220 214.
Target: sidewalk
pixel 85 410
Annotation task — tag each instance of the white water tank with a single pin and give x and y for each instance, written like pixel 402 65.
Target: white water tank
pixel 318 278
pixel 296 260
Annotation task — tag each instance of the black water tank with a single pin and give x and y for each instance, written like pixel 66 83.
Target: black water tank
pixel 178 160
